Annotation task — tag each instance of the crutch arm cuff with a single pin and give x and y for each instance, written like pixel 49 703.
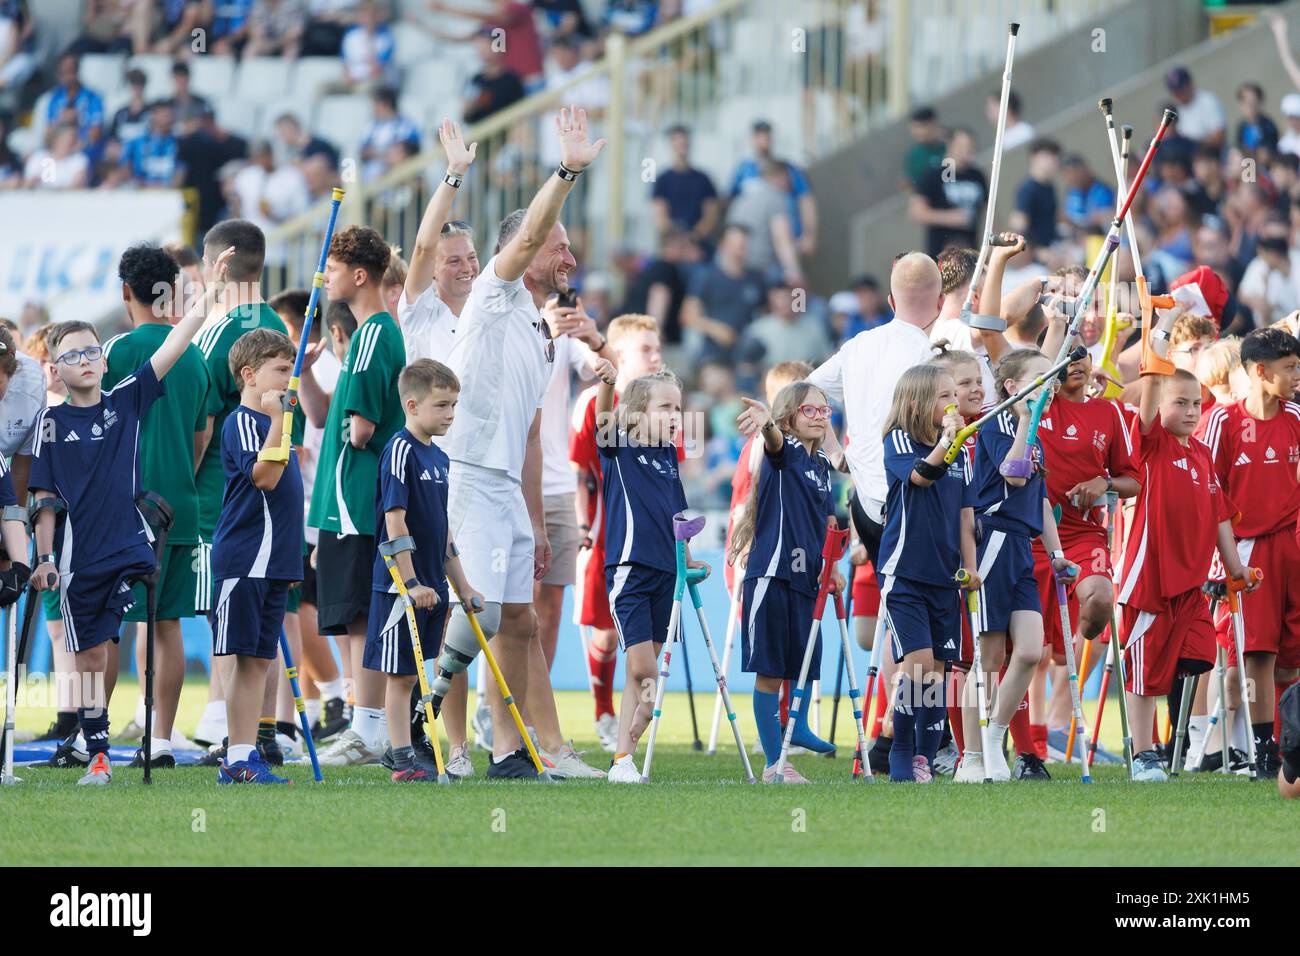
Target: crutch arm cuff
pixel 1016 467
pixel 391 549
pixel 15 513
pixel 57 505
pixel 275 454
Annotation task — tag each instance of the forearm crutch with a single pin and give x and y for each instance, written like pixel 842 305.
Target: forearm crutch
pixel 158 515
pixel 860 762
pixel 426 698
pixel 737 585
pixel 1116 662
pixel 1216 592
pixel 1080 305
pixel 993 323
pixel 18 655
pixel 1234 588
pixel 719 670
pixel 1189 688
pixel 1076 702
pixel 977 664
pixel 291 672
pixel 846 654
pixel 843 612
pixel 280 454
pixel 7 777
pixel 696 743
pixel 833 548
pixel 1074 724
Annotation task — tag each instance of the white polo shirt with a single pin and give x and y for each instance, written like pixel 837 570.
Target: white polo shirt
pixel 571 356
pixel 428 326
pixel 862 376
pixel 22 403
pixel 958 336
pixel 500 358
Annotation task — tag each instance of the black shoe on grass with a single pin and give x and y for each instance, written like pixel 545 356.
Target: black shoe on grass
pixel 516 766
pixel 1029 767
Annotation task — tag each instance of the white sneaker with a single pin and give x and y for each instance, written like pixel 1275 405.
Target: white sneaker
pixel 567 763
pixel 996 766
pixel 212 725
pixel 623 770
pixel 970 770
pixel 607 732
pixel 788 774
pixel 921 772
pixel 797 751
pixel 945 762
pixel 291 747
pixel 349 750
pixel 181 742
pixel 483 727
pixel 459 765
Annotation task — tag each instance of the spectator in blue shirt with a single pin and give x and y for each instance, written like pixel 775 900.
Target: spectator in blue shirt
pixel 803 207
pixel 1035 213
pixel 230 25
pixel 683 196
pixel 387 129
pixel 1255 131
pixel 1089 203
pixel 153 158
pixel 631 17
pixel 858 309
pixel 82 106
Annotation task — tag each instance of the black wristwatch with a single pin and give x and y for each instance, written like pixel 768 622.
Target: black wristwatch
pixel 1110 485
pixel 411 583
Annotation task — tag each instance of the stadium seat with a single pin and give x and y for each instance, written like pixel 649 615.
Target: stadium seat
pixel 212 76
pixel 261 79
pixel 413 45
pixel 158 70
pixel 104 72
pixel 311 74
pixel 273 110
pixel 239 116
pixel 342 120
pixel 435 81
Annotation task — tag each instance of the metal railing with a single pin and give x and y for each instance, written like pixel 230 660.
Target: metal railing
pixel 821 71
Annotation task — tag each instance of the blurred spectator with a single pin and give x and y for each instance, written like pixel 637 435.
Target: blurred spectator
pixel 368 49
pixel 1089 203
pixel 60 166
pixel 73 102
pixel 494 87
pixel 761 208
pixel 1210 248
pixel 11 165
pixel 783 334
pixel 632 17
pixel 1248 208
pixel 276 29
pixel 17 45
pixel 1255 131
pixel 328 22
pixel 186 104
pixel 301 144
pixel 1016 132
pixel 1175 172
pixel 386 130
pixel 321 175
pixel 1208 188
pixel 660 288
pixel 267 194
pixel 131 120
pixel 803 207
pixel 1271 283
pixel 859 309
pixel 722 299
pixel 683 196
pixel 1200 114
pixel 105 27
pixel 511 24
pixel 927 149
pixel 154 158
pixel 204 148
pixel 191 271
pixel 568 64
pixel 1172 218
pixel 167 26
pixel 1035 212
pixel 595 289
pixel 565 18
pixel 231 22
pixel 1290 140
pixel 950 198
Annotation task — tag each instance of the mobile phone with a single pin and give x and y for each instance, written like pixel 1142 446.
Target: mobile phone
pixel 568 299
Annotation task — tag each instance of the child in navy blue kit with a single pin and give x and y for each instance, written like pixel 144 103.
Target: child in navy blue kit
pixel 1009 495
pixel 91 540
pixel 642 491
pixel 929 533
pixel 13 532
pixel 783 529
pixel 411 513
pixel 256 547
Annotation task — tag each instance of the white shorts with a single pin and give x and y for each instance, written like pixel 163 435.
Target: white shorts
pixel 488 520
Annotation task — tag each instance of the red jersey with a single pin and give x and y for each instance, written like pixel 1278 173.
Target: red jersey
pixel 1084 440
pixel 1175 522
pixel 1256 461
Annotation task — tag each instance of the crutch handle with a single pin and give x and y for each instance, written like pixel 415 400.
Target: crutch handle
pixel 1235 586
pixel 833 548
pixel 686 528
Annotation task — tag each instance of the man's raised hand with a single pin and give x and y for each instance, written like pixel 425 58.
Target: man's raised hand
pixel 576 149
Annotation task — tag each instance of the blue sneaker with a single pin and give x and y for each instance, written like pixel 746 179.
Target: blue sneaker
pixel 252 770
pixel 1057 739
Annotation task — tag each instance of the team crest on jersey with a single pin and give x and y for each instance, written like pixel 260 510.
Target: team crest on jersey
pixel 1293 454
pixel 823 486
pixel 96 433
pixel 1099 440
pixel 1270 454
pixel 1072 433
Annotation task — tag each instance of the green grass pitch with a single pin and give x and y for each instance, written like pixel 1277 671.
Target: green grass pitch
pixel 697 812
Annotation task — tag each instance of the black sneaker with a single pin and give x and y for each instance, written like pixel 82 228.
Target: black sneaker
pixel 878 755
pixel 217 756
pixel 333 719
pixel 1029 767
pixel 64 724
pixel 386 761
pixel 67 754
pixel 156 761
pixel 1267 761
pixel 517 766
pixel 270 751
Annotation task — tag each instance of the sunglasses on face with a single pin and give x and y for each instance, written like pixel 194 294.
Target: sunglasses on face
pixel 74 356
pixel 550 340
pixel 815 412
pixel 458 225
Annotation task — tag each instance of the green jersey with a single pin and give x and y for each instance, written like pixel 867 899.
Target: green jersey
pixel 214 343
pixel 343 497
pixel 166 441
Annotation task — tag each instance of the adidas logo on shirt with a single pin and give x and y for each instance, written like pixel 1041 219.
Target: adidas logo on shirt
pixel 71 436
pixel 425 476
pixel 1242 459
pixel 1181 463
pixel 1046 424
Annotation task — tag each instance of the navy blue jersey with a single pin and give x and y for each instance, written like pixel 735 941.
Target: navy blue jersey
pixel 413 477
pixel 997 504
pixel 7 494
pixel 792 502
pixel 922 537
pixel 89 456
pixel 642 492
pixel 259 533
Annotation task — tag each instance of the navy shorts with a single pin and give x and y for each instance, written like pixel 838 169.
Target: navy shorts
pixel 248 616
pixel 922 617
pixel 93 600
pixel 775 622
pixel 388 634
pixel 1006 568
pixel 640 602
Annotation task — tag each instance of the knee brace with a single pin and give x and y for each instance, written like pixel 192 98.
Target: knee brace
pixel 461 646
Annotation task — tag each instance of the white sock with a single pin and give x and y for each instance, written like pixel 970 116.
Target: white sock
pixel 1196 725
pixel 1239 727
pixel 235 753
pixel 996 733
pixel 384 739
pixel 139 711
pixel 313 706
pixel 368 722
pixel 332 689
pixel 160 745
pixel 496 759
pixel 215 712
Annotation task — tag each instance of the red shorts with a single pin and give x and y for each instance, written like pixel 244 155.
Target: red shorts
pixel 595 598
pixel 1159 647
pixel 1085 548
pixel 1271 611
pixel 866 591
